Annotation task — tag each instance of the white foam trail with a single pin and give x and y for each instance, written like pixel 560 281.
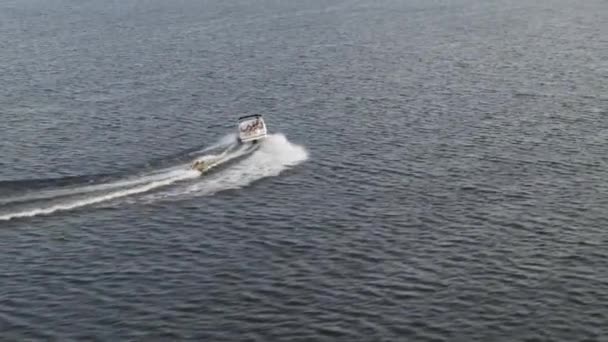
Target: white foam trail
pixel 49 194
pixel 275 155
pixel 102 198
pixel 142 179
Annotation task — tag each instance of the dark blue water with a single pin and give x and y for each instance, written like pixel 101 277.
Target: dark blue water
pixel 436 170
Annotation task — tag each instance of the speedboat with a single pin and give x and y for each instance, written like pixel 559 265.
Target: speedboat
pixel 251 129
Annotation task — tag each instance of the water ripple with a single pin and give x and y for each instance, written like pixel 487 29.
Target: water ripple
pixel 453 188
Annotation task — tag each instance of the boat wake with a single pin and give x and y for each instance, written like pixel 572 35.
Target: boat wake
pixel 239 166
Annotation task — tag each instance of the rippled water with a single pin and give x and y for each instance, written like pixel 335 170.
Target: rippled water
pixel 436 170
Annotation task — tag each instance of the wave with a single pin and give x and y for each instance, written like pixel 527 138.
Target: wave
pixel 102 198
pixel 267 158
pixel 275 155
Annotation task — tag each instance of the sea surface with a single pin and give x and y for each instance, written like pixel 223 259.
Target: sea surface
pixel 435 170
